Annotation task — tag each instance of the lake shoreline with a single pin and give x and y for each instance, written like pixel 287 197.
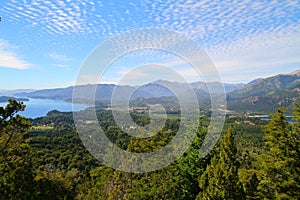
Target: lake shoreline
pixel 40 107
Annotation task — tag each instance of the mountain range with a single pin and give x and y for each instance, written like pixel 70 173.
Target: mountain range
pixel 156 89
pixel 265 94
pixel 13 92
pixel 261 95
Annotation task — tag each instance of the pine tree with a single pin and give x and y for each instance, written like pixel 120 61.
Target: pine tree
pixel 121 182
pixel 251 188
pixel 16 176
pixel 280 165
pixel 220 180
pixel 191 165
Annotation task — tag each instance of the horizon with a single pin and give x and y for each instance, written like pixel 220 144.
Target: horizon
pixel 66 86
pixel 43 44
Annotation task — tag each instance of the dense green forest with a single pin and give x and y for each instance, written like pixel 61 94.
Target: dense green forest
pixel 44 158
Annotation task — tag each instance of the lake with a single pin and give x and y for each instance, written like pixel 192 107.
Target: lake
pixel 40 107
pixel 266 117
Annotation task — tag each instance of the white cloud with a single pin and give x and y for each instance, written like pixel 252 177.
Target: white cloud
pixel 58 17
pixel 59 57
pixel 9 59
pixel 60 65
pixel 217 22
pixel 241 36
pixel 251 57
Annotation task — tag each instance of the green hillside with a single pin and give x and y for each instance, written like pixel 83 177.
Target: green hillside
pixel 264 95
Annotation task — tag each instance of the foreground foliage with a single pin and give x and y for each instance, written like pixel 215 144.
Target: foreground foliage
pixel 45 159
pixel 220 180
pixel 279 166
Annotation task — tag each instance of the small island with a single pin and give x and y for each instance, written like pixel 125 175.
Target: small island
pixel 6 98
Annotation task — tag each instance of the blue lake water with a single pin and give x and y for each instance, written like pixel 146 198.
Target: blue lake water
pixel 266 117
pixel 40 107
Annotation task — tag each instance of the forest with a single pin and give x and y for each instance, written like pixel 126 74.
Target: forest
pixel 44 158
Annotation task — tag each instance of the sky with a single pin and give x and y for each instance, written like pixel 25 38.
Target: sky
pixel 43 43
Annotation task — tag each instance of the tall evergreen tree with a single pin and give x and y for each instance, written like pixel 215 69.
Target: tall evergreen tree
pixel 220 180
pixel 190 164
pixel 280 165
pixel 18 179
pixel 251 188
pixel 16 176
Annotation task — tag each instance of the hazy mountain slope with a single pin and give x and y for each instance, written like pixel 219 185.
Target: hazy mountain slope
pixel 13 92
pixel 261 95
pixel 58 93
pixel 152 90
pixel 264 95
pixel 103 91
pixel 262 87
pixel 6 98
pixel 228 87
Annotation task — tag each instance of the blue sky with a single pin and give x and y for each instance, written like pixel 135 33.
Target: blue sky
pixel 43 43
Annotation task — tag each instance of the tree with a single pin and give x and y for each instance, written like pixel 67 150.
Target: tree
pixel 220 179
pixel 13 129
pixel 251 187
pixel 55 184
pixel 190 164
pixel 16 177
pixel 280 165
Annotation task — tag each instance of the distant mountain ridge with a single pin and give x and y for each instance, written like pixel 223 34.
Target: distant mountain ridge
pixel 297 72
pixel 261 87
pixel 104 91
pixel 265 94
pixel 228 87
pixel 261 95
pixel 13 92
pixel 6 98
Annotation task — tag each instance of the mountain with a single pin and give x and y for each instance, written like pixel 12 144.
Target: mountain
pixel 103 91
pixel 155 89
pixel 261 95
pixel 184 90
pixel 152 90
pixel 262 87
pixel 58 93
pixel 13 92
pixel 6 98
pixel 297 72
pixel 228 87
pixel 265 94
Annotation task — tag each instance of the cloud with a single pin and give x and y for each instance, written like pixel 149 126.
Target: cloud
pixel 215 22
pixel 211 23
pixel 59 57
pixel 245 39
pixel 56 17
pixel 60 65
pixel 266 53
pixel 240 36
pixel 9 59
